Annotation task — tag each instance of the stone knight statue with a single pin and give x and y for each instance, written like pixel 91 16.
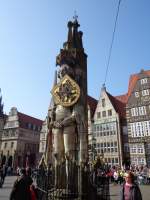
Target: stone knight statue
pixel 68 115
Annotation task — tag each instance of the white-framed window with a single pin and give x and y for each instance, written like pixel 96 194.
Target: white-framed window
pixel 143 81
pixel 133 149
pixel 141 161
pixel 98 115
pixel 103 113
pixel 110 112
pixel 136 94
pixel 142 110
pixel 138 111
pixel 103 102
pixel 97 128
pixel 145 92
pixel 140 149
pixel 134 112
pixel 134 160
pixel 140 129
pixel 116 160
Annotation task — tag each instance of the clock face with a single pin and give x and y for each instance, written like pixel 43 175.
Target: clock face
pixel 66 92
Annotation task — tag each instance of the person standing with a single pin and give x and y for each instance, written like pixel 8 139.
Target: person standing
pixel 21 187
pixel 130 190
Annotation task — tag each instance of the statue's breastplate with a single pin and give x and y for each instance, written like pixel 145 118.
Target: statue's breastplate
pixel 62 112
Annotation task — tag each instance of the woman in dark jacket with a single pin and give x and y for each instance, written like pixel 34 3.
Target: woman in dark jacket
pixel 130 191
pixel 21 187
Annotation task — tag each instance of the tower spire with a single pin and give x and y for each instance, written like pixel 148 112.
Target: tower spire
pixel 74 36
pixel 75 17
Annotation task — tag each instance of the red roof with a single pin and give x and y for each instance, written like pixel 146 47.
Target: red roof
pixel 92 104
pixel 119 103
pixel 24 120
pixel 123 98
pixel 133 79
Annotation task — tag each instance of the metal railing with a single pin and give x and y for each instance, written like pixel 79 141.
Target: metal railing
pixel 80 184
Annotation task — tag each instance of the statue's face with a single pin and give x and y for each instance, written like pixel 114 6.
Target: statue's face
pixel 65 69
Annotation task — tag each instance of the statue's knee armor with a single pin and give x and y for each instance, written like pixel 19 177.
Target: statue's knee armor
pixel 69 138
pixel 58 144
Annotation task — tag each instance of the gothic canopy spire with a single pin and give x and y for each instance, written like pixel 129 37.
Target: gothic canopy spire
pixel 74 36
pixel 73 46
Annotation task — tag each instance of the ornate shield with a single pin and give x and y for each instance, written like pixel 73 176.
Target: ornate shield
pixel 66 92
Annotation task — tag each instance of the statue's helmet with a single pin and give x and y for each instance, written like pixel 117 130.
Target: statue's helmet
pixel 65 70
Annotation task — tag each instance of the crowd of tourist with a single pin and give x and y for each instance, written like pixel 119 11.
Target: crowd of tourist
pixel 141 174
pixel 129 180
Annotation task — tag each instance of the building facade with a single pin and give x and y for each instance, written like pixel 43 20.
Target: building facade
pixel 20 140
pixel 2 118
pixel 91 104
pixel 138 118
pixel 107 128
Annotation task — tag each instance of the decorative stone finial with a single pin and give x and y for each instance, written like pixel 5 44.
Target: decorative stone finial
pixel 75 17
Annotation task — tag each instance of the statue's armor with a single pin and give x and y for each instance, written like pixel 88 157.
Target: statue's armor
pixel 62 112
pixel 64 136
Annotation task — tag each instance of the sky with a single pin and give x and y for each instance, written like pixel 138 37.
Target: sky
pixel 32 32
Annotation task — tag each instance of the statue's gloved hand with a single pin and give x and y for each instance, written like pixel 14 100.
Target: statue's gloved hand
pixel 68 121
pixel 57 124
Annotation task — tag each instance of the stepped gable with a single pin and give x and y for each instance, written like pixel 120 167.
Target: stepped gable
pixel 26 119
pixel 133 79
pixel 92 104
pixel 119 103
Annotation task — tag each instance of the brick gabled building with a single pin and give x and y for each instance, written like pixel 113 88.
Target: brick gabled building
pixel 138 118
pixel 91 104
pixel 20 139
pixel 109 120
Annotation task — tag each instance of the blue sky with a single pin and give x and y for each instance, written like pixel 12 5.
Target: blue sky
pixel 33 31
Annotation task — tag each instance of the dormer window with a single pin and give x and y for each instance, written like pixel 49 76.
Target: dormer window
pixel 104 113
pixel 143 81
pixel 109 112
pixel 103 102
pixel 136 94
pixel 98 115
